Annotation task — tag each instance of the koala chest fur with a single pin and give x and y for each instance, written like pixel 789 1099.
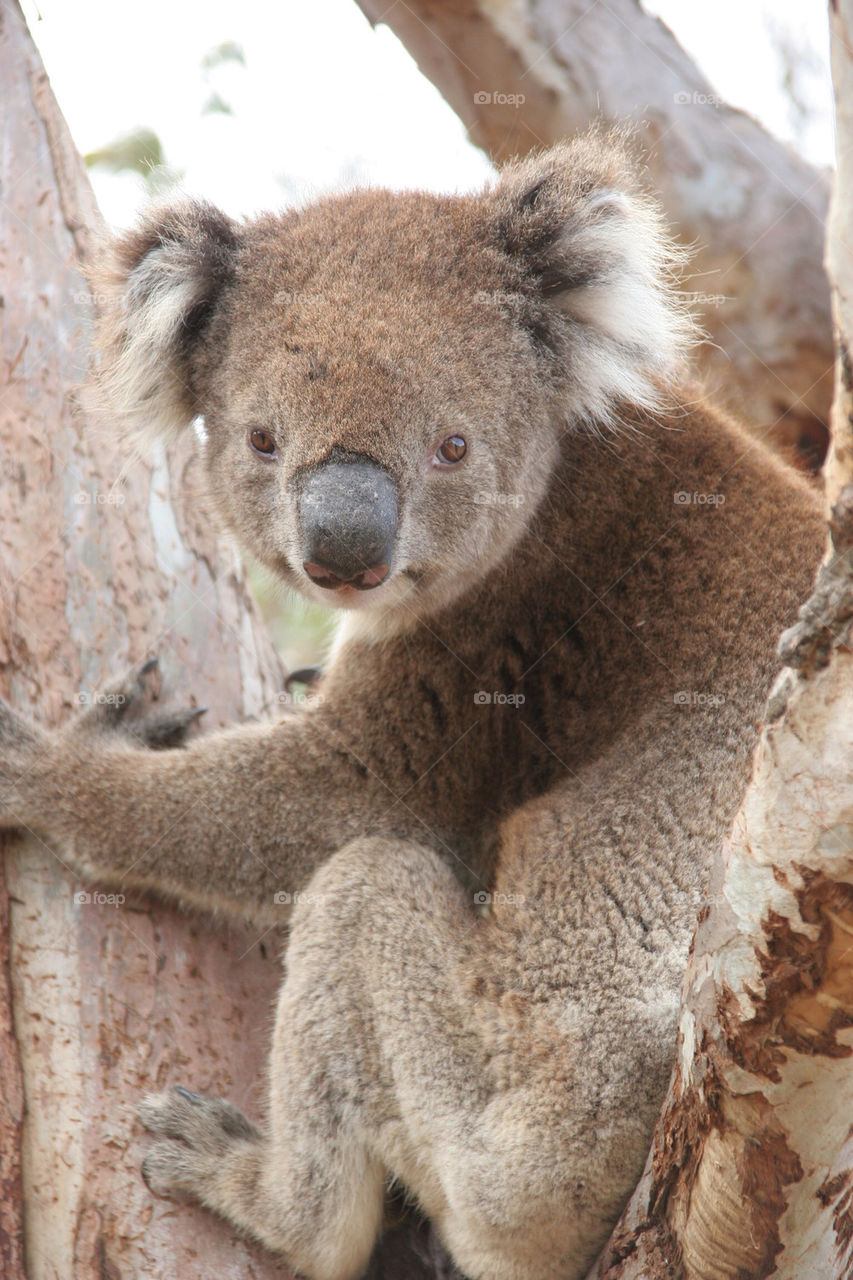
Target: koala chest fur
pixel 458 420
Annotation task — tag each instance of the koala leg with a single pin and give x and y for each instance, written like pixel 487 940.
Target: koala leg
pixel 318 1201
pixel 395 1054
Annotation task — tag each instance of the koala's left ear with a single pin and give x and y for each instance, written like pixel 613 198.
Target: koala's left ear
pixel 600 269
pixel 155 288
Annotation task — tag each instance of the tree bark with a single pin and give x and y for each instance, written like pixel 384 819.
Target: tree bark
pixel 751 1168
pixel 99 1003
pixel 526 74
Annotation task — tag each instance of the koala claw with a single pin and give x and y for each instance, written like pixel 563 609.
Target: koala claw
pixel 197 1098
pixel 169 728
pixel 194 1134
pixel 129 705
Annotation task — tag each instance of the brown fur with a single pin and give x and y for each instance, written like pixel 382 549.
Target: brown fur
pixel 505 1058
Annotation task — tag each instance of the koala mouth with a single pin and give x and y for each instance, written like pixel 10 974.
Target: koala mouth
pixel 366 580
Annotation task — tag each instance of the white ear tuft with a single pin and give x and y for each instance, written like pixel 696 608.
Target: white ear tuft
pixel 603 269
pixel 155 288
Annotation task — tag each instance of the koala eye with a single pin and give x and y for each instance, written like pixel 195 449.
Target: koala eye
pixel 451 451
pixel 262 443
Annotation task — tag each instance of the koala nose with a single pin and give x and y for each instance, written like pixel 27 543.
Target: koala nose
pixel 348 517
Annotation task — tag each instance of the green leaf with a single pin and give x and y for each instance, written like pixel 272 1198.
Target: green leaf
pixel 139 151
pixel 228 51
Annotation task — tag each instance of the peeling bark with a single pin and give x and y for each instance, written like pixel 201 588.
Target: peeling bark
pixel 751 208
pixel 744 1177
pixel 11 1117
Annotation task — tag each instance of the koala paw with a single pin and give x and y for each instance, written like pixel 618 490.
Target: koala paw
pixel 131 705
pixel 194 1134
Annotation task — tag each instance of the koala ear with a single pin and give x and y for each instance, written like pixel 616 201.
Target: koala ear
pixel 600 270
pixel 155 288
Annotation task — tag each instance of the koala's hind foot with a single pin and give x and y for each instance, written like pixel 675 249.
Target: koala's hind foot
pixel 207 1150
pixel 204 1144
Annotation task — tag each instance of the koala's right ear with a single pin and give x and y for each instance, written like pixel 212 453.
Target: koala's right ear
pixel 155 288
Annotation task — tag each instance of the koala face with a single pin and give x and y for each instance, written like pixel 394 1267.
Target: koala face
pixel 385 379
pixel 356 451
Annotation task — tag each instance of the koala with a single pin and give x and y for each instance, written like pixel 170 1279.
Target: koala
pixel 463 421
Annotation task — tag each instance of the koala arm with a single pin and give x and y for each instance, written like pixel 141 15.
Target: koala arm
pixel 238 816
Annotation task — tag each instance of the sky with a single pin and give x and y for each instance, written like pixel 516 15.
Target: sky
pixel 324 100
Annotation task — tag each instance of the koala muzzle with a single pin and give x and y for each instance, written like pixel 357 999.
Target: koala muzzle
pixel 348 517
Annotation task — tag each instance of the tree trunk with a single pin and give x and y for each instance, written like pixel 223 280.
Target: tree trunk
pixel 751 1168
pixel 526 74
pixel 99 1003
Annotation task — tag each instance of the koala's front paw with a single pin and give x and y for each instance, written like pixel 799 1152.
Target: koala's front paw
pixel 44 774
pixel 195 1135
pixel 131 705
